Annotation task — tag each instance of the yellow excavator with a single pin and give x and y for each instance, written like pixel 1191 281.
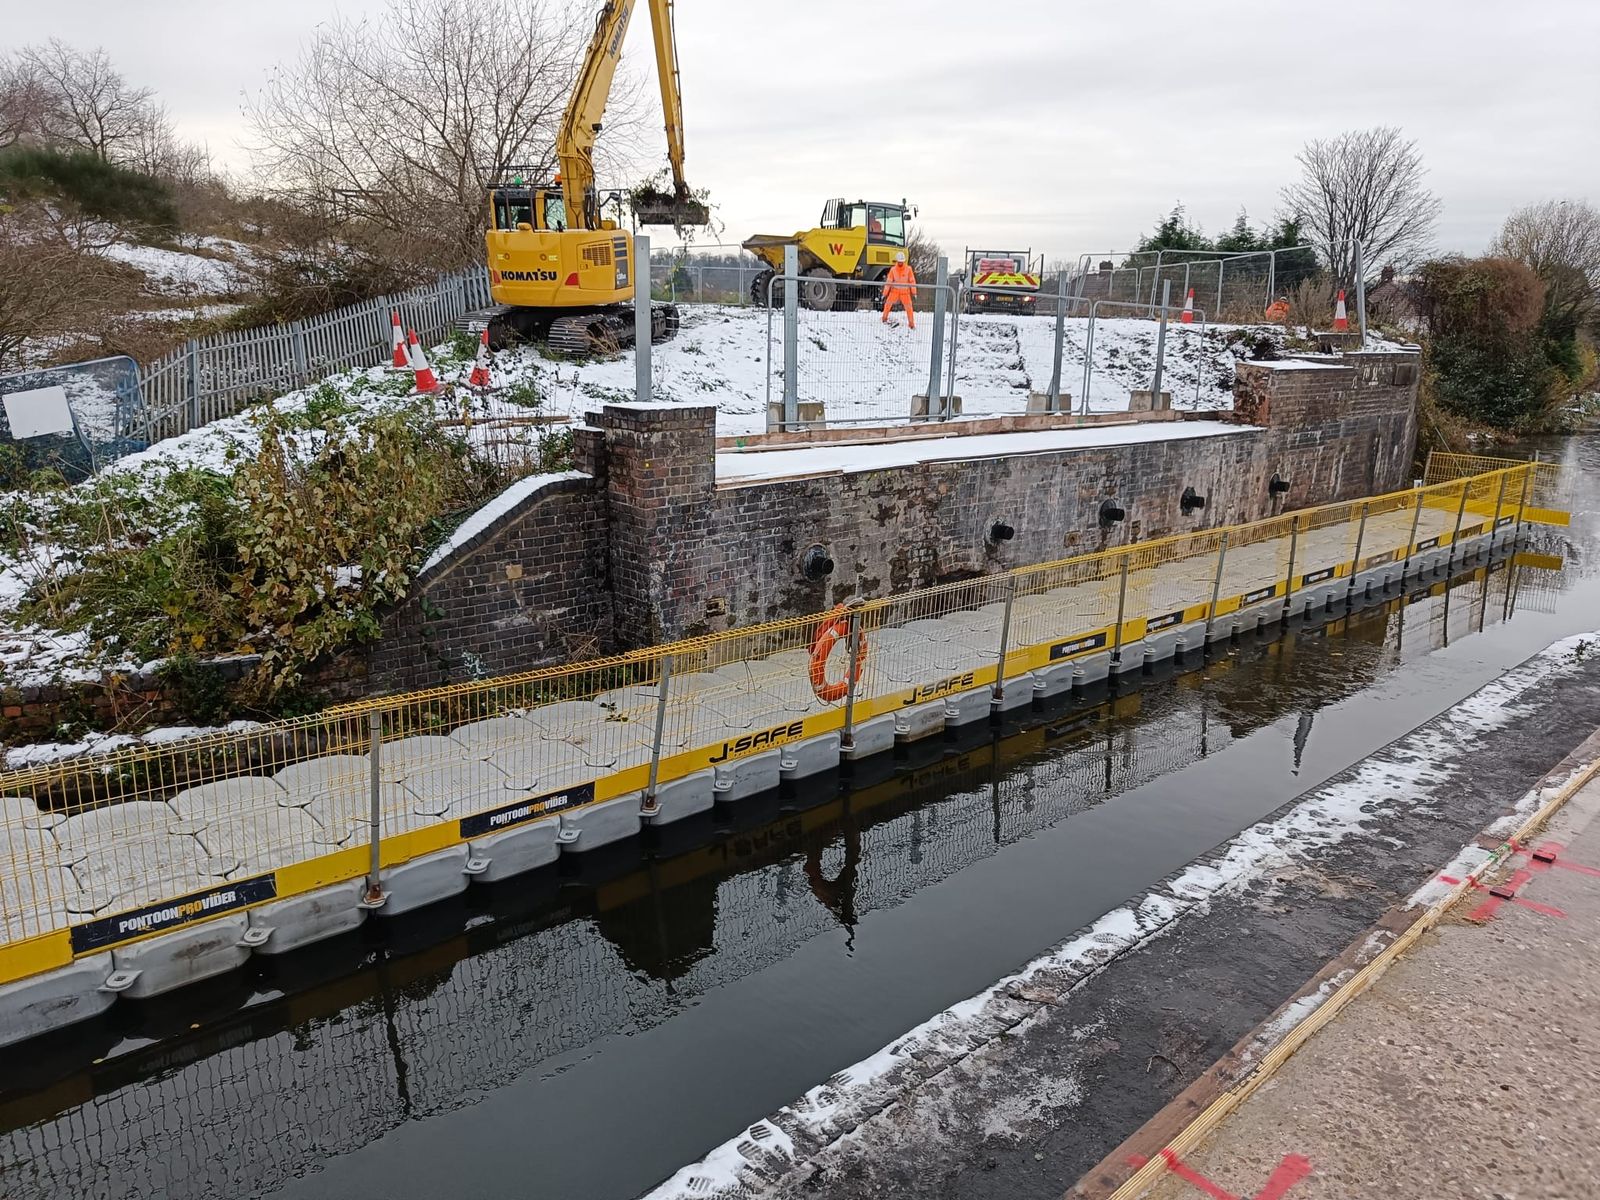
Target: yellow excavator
pixel 559 271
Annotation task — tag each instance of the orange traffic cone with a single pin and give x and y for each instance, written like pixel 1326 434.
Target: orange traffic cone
pixel 1341 319
pixel 1188 309
pixel 480 365
pixel 398 361
pixel 427 381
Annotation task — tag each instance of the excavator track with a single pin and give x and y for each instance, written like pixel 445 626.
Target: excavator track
pixel 576 334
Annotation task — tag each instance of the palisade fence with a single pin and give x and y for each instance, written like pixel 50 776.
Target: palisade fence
pixel 217 376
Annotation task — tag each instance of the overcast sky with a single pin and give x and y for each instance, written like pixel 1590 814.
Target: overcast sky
pixel 1061 125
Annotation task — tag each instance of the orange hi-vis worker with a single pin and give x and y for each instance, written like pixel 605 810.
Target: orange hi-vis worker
pixel 902 283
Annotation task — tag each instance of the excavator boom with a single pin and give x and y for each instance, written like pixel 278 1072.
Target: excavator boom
pixel 582 121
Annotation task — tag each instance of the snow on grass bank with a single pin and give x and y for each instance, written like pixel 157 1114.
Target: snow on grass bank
pixel 1414 771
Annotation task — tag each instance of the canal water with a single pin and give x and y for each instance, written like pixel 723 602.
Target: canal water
pixel 582 1033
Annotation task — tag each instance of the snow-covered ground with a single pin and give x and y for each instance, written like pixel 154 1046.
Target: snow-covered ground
pixel 863 369
pixel 182 273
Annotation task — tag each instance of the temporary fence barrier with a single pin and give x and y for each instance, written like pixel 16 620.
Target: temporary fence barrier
pixel 182 859
pixel 706 278
pixel 1545 490
pixel 217 375
pixel 833 358
pixel 78 417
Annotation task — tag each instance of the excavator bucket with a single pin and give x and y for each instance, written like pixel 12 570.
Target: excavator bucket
pixel 663 208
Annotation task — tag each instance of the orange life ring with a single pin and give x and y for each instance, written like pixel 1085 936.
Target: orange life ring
pixel 835 626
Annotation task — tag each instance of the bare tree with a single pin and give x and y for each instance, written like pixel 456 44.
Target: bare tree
pixel 24 101
pixel 1560 240
pixel 1364 186
pixel 406 118
pixel 90 105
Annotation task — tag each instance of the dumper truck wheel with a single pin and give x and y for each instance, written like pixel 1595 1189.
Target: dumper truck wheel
pixel 818 289
pixel 758 289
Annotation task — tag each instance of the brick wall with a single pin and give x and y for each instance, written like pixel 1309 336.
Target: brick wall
pixel 1340 427
pixel 533 589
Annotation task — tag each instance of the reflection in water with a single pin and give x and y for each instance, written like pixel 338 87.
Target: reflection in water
pixel 326 1052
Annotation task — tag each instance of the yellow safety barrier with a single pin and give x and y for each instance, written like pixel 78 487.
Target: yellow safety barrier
pixel 1544 501
pixel 101 852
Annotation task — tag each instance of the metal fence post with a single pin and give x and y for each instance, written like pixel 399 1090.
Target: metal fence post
pixel 650 803
pixel 1494 525
pixel 1272 276
pixel 1005 639
pixel 641 318
pixel 1461 511
pixel 1416 516
pixel 1216 584
pixel 847 739
pixel 1355 560
pixel 1522 503
pixel 297 347
pixel 192 355
pixel 1088 358
pixel 791 351
pixel 374 897
pixel 1361 294
pixel 1221 266
pixel 936 350
pixel 1054 400
pixel 955 337
pixel 1294 546
pixel 1161 344
pixel 1122 604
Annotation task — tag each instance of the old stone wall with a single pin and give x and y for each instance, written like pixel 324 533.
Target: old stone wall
pixel 1340 427
pixel 532 589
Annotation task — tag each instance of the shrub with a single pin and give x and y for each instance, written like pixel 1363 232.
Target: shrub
pixel 99 188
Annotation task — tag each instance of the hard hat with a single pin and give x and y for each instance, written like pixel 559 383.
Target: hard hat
pixel 900 257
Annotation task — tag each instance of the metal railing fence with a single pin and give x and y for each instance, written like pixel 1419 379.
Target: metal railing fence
pixel 217 375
